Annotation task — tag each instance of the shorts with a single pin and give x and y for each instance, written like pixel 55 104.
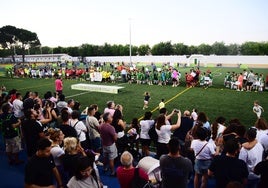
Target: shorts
pixel 201 166
pixel 96 143
pixel 146 102
pixel 249 83
pixel 110 152
pixel 174 80
pixel 145 142
pixel 13 145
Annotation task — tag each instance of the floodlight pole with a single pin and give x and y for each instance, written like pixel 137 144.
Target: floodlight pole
pixel 130 60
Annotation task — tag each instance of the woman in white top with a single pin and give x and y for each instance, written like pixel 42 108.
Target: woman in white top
pixel 80 128
pixel 252 156
pixel 145 126
pixel 164 132
pixel 56 151
pixel 203 152
pixel 262 128
pixel 217 129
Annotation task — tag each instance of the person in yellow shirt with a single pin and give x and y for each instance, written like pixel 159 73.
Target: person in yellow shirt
pixel 161 104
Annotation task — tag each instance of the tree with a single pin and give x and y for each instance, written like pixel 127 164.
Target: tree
pixel 12 37
pixel 144 49
pixel 250 48
pixel 219 48
pixel 192 50
pixel 233 49
pixel 162 48
pixel 204 49
pixel 263 48
pixel 180 49
pixel 72 51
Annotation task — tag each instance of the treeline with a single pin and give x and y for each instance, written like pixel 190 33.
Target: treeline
pixel 22 42
pixel 162 48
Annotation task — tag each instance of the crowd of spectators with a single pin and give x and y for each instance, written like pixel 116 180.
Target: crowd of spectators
pixel 70 144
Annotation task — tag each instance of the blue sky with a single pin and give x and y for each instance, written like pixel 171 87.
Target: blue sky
pixel 192 22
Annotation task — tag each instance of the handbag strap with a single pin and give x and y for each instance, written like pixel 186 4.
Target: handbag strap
pixel 91 126
pixel 201 150
pixel 76 129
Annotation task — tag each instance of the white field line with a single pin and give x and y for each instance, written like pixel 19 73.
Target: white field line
pixel 77 94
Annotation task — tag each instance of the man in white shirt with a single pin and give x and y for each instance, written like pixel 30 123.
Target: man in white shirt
pixel 18 106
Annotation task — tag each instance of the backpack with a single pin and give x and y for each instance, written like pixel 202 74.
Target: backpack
pixel 8 130
pixel 138 182
pixel 153 134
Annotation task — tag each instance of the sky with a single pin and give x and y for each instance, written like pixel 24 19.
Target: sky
pixel 192 22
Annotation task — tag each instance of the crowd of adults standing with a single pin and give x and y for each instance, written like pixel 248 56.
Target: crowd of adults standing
pixel 68 144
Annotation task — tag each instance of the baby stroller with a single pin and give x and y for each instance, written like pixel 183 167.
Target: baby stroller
pixel 152 167
pixel 128 143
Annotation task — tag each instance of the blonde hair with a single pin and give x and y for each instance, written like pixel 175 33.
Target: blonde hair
pixel 53 133
pixel 70 144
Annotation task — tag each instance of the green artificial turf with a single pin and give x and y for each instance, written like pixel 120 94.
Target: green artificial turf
pixel 214 101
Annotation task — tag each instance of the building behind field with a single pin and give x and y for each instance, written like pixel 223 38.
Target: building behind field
pixel 182 61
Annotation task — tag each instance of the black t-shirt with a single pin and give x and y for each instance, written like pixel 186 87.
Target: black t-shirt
pixel 175 171
pixel 186 125
pixel 68 131
pixel 69 163
pixel 227 169
pixel 39 171
pixel 7 121
pixel 31 130
pixel 262 169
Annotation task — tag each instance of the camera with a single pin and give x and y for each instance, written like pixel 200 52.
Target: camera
pixel 176 110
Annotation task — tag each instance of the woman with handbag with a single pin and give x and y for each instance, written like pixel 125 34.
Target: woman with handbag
pixel 204 152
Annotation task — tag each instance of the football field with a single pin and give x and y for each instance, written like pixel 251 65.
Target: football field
pixel 214 101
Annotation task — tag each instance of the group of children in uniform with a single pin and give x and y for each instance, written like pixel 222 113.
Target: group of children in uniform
pixel 246 81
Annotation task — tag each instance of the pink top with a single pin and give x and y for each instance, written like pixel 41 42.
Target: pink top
pixel 110 110
pixel 58 85
pixel 240 79
pixel 175 74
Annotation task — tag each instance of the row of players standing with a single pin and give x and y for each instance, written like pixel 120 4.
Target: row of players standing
pixel 245 81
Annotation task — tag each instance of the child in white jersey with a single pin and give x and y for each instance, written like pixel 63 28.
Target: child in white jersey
pixel 257 109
